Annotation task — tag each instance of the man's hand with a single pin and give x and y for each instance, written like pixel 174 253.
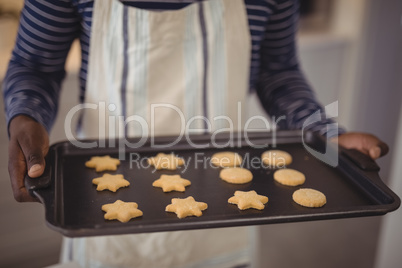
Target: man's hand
pixel 28 146
pixel 365 143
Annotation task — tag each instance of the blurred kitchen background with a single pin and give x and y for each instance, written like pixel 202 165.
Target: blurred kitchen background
pixel 351 53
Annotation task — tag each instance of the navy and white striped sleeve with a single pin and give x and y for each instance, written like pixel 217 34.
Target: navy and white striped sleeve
pixel 282 87
pixel 36 69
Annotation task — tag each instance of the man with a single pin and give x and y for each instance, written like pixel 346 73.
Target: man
pixel 200 57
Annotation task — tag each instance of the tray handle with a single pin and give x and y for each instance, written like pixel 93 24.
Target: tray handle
pixel 361 160
pixel 32 184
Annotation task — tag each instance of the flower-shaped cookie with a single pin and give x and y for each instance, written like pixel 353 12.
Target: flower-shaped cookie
pixel 122 211
pixel 110 182
pixel 184 207
pixel 250 199
pixel 165 161
pixel 170 183
pixel 102 163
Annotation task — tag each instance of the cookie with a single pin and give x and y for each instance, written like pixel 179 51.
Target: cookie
pixel 165 161
pixel 309 198
pixel 110 182
pixel 276 158
pixel 236 175
pixel 226 159
pixel 250 199
pixel 184 207
pixel 121 211
pixel 170 183
pixel 289 177
pixel 102 163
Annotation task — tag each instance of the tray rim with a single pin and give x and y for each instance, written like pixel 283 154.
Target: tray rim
pixel 45 196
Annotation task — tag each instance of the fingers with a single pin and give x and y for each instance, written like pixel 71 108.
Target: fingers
pixel 17 170
pixel 379 150
pixel 374 147
pixel 366 143
pixel 375 152
pixel 384 148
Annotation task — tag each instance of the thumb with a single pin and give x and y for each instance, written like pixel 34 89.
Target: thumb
pixel 35 162
pixel 34 148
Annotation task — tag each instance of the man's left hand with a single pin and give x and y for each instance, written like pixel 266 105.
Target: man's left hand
pixel 365 143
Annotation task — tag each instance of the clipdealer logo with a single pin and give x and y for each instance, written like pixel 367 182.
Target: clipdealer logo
pixel 105 114
pixel 112 127
pixel 330 156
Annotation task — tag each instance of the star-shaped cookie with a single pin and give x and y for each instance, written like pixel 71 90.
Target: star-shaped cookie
pixel 250 199
pixel 184 207
pixel 110 182
pixel 170 183
pixel 122 211
pixel 102 163
pixel 165 161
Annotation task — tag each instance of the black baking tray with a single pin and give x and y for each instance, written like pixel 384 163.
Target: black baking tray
pixel 73 206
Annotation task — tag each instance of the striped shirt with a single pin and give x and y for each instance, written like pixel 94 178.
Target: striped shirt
pixel 48 27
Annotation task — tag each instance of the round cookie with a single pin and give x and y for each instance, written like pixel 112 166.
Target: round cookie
pixel 226 159
pixel 309 198
pixel 276 158
pixel 236 175
pixel 289 177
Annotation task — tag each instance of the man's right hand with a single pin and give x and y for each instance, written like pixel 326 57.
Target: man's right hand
pixel 28 146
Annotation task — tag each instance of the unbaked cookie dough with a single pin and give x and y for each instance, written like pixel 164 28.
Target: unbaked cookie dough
pixel 236 175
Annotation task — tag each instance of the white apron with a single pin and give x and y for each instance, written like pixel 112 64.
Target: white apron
pixel 188 62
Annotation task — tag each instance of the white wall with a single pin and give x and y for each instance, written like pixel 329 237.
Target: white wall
pixel 390 242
